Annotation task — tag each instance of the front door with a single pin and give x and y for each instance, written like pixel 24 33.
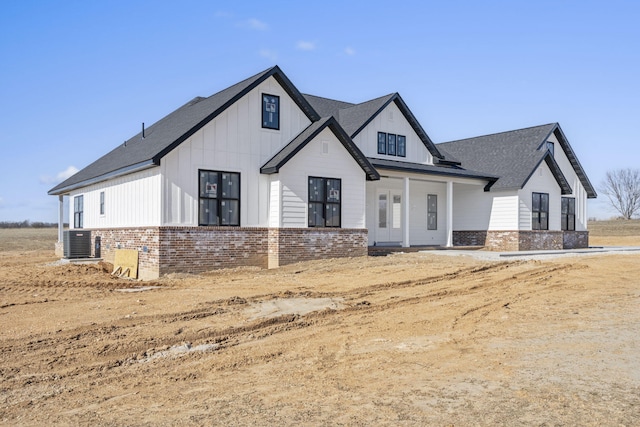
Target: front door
pixel 389 217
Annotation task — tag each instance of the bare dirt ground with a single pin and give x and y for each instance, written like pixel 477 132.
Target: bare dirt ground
pixel 407 339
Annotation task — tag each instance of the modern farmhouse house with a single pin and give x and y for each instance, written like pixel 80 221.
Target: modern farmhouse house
pixel 261 174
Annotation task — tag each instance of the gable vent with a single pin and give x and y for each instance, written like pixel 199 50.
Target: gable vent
pixel 325 147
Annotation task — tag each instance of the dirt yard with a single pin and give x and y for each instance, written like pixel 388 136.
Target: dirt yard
pixel 407 339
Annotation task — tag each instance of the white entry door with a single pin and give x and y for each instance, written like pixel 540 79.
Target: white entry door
pixel 389 217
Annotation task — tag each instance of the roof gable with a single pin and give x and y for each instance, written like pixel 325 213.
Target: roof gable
pixel 515 155
pixel 306 136
pixel 355 117
pixel 170 131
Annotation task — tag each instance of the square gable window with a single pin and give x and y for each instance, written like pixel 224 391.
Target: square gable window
pixel 270 111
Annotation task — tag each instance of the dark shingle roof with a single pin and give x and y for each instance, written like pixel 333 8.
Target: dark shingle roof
pixel 433 170
pixel 327 107
pixel 168 132
pixel 355 117
pixel 515 155
pixel 290 150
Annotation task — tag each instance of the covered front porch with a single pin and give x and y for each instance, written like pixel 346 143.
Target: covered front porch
pixel 413 210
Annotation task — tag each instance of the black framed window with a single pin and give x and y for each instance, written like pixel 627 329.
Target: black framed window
pixel 78 212
pixel 568 218
pixel 382 143
pixel 324 202
pixel 540 211
pixel 402 146
pixel 102 203
pixel 432 211
pixel 551 147
pixel 391 144
pixel 219 198
pixel 270 111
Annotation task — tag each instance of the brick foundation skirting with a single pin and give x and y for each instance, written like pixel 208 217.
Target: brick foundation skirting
pixel 508 240
pixel 163 250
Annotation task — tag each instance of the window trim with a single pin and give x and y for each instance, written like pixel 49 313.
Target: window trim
pixel 431 212
pixel 265 124
pixel 568 219
pixel 78 211
pixel 325 203
pixel 102 203
pixel 536 214
pixel 219 199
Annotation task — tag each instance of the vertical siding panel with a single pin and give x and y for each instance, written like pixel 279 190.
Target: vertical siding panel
pixel 234 141
pixel 131 200
pixel 367 139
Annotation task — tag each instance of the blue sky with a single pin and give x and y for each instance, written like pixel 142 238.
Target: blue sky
pixel 79 77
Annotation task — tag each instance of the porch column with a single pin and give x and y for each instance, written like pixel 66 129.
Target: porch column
pixel 449 214
pixel 60 218
pixel 405 212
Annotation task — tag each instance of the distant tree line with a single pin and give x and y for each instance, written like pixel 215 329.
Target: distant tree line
pixel 29 224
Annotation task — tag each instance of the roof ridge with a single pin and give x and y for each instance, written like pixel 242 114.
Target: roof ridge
pixel 329 99
pixel 389 95
pixel 498 133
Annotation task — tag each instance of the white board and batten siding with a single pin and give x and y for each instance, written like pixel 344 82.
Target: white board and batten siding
pixel 232 142
pixel 579 192
pixel 391 120
pixel 323 157
pixel 131 200
pixel 542 181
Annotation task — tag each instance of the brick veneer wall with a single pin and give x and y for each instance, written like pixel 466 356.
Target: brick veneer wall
pixel 522 240
pixel 146 240
pixel 540 240
pixel 575 240
pixel 163 250
pixel 199 249
pixel 502 241
pixel 469 238
pixel 289 245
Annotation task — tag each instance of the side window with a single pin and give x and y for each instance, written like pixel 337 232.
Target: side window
pixel 219 198
pixel 551 147
pixel 540 211
pixel 102 203
pixel 391 144
pixel 382 143
pixel 270 111
pixel 432 212
pixel 324 202
pixel 568 219
pixel 78 211
pixel 402 146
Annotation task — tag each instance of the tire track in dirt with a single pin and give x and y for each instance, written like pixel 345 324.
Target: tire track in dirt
pixel 88 352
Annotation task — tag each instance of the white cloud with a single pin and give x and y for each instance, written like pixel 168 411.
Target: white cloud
pixel 61 176
pixel 269 54
pixel 349 51
pixel 304 45
pixel 254 24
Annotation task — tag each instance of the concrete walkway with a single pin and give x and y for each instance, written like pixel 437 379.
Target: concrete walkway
pixel 542 254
